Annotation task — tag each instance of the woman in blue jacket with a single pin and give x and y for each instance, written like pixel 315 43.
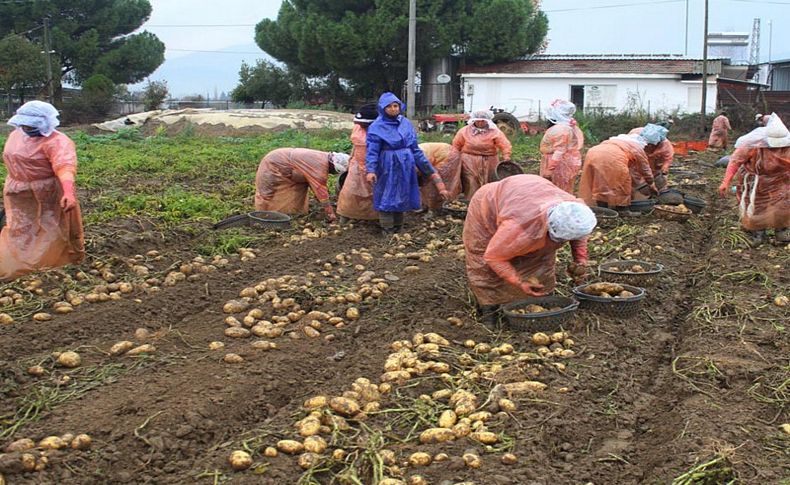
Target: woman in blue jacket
pixel 392 160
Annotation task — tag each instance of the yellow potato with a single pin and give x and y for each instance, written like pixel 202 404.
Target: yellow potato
pixel 6 319
pixel 240 460
pixel 480 416
pixel 352 313
pixel 270 452
pixel 506 405
pixel 391 481
pixel 509 459
pixel 81 442
pixel 237 332
pixel 52 443
pixel 598 288
pixel 436 435
pixel 28 462
pixel 233 359
pixel 23 444
pixel 420 459
pixel 235 306
pixel 398 376
pixel 417 480
pixel 121 347
pixel 388 457
pixel 485 437
pixel 290 446
pixel 308 460
pixel 42 317
pixel 521 388
pixel 316 402
pixel 440 457
pixel 309 426
pixel 344 406
pixel 69 359
pixel 462 429
pixel 339 454
pixel 36 371
pixel 315 444
pixel 142 349
pixel 472 460
pixel 541 338
pixel 437 339
pixel 448 419
pixel 216 345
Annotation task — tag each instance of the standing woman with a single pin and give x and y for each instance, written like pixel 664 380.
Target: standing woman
pixel 44 224
pixel 561 146
pixel 391 159
pixel 477 144
pixel 719 131
pixel 762 157
pixel 355 200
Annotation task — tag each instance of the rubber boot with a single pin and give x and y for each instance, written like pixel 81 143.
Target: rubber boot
pixel 387 222
pixel 488 315
pixel 783 235
pixel 397 222
pixel 758 238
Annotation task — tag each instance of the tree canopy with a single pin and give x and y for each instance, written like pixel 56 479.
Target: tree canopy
pixel 90 36
pixel 365 41
pixel 22 67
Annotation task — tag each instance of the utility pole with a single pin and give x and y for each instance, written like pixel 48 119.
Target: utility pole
pixel 703 121
pixel 410 89
pixel 47 53
pixel 686 51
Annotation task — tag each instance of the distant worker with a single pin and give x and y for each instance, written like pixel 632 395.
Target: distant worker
pixel 761 120
pixel 478 145
pixel 43 220
pixel 561 146
pixel 355 200
pixel 285 175
pixel 449 169
pixel 609 170
pixel 762 161
pixel 719 132
pixel 392 160
pixel 660 155
pixel 512 232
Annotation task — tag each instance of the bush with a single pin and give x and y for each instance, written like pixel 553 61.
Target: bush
pixel 154 94
pixel 94 102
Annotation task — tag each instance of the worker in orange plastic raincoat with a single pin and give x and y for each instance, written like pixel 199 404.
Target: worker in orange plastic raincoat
pixel 512 232
pixel 609 170
pixel 449 169
pixel 392 160
pixel 659 153
pixel 719 131
pixel 762 160
pixel 355 200
pixel 561 146
pixel 477 144
pixel 285 175
pixel 43 220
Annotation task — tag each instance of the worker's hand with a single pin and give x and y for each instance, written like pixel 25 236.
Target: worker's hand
pixel 69 199
pixel 445 194
pixel 371 178
pixel 653 189
pixel 723 189
pixel 330 213
pixel 661 180
pixel 532 288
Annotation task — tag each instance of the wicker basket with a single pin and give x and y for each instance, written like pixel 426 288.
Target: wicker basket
pixel 615 307
pixel 459 213
pixel 539 322
pixel 269 220
pixel 616 271
pixel 666 212
pixel 507 169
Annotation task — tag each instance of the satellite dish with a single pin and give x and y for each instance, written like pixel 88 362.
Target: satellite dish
pixel 443 78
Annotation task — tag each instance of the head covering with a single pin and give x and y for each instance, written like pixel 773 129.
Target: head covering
pixel 339 161
pixel 570 221
pixel 772 135
pixel 635 139
pixel 482 115
pixel 387 99
pixel 654 134
pixel 758 117
pixel 667 123
pixel 38 114
pixel 367 114
pixel 560 112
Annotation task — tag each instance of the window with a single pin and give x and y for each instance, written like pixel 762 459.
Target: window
pixel 594 96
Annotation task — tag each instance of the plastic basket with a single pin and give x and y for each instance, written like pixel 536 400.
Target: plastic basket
pixel 643 206
pixel 606 217
pixel 269 220
pixel 665 213
pixel 615 307
pixel 616 271
pixel 507 169
pixel 538 322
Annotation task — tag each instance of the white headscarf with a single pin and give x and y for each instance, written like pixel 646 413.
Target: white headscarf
pixel 773 135
pixel 570 221
pixel 560 112
pixel 482 115
pixel 339 161
pixel 638 140
pixel 37 114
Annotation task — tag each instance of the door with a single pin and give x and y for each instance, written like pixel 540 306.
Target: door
pixel 577 97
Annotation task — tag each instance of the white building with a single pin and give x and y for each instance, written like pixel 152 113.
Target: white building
pixel 601 83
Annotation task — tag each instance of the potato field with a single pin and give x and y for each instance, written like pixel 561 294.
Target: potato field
pixel 329 354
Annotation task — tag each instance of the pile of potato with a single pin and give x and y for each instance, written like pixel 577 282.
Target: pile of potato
pixel 606 290
pixel 532 309
pixel 33 456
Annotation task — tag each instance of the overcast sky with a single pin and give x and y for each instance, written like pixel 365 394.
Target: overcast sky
pixel 576 26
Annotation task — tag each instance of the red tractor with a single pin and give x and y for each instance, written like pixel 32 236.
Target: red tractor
pixel 505 121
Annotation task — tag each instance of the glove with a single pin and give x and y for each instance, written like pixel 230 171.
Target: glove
pixel 330 213
pixel 532 288
pixel 723 189
pixel 371 178
pixel 69 199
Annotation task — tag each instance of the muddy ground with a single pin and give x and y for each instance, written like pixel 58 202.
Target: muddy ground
pixel 696 381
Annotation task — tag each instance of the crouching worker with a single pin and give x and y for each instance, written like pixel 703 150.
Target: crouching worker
pixel 285 175
pixel 512 232
pixel 43 220
pixel 449 169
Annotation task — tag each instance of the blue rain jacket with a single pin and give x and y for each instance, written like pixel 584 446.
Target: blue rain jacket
pixel 393 155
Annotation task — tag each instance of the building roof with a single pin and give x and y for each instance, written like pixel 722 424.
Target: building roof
pixel 583 64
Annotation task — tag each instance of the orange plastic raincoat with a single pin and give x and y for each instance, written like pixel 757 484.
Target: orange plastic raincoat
pixel 507 241
pixel 719 132
pixel 763 188
pixel 284 177
pixel 449 168
pixel 38 234
pixel 660 156
pixel 609 170
pixel 478 153
pixel 562 158
pixel 355 200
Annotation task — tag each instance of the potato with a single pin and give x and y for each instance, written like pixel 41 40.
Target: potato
pixel 235 306
pixel 472 460
pixel 391 481
pixel 371 407
pixel 23 444
pixel 598 288
pixel 352 313
pixel 625 294
pixel 216 345
pixel 557 337
pixel 142 349
pixel 69 359
pixel 344 406
pixel 121 347
pixel 36 371
pixel 81 442
pixel 506 405
pixel 248 293
pixel 480 416
pixel 462 428
pixel 521 388
pixel 437 339
pixel 52 443
pixel 388 457
pixel 6 319
pixel 485 437
pixel 417 480
pixel 509 459
pixel 398 376
pixel 240 460
pixel 270 452
pixel 315 444
pixel 448 419
pixel 541 338
pixel 339 455
pixel 316 402
pixel 308 460
pixel 62 308
pixel 436 435
pixel 42 317
pixel 233 359
pixel 237 332
pixel 309 426
pixel 311 332
pixel 455 321
pixel 28 462
pixel 290 446
pixel 420 459
pixel 780 301
pixel 440 457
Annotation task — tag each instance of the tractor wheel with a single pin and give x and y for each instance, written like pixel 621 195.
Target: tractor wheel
pixel 508 123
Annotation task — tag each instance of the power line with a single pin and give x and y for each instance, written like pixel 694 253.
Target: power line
pixel 772 2
pixel 612 6
pixel 199 25
pixel 214 52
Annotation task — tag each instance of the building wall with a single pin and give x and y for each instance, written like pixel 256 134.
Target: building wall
pixel 527 96
pixel 780 77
